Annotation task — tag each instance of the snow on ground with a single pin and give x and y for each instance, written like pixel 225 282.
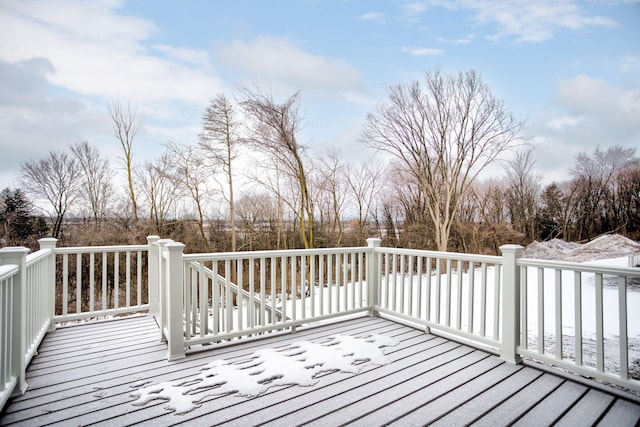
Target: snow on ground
pixel 295 364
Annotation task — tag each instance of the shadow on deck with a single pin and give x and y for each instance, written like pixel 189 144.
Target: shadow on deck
pixel 85 375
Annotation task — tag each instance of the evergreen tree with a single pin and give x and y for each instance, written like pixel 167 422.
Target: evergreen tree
pixel 16 220
pixel 550 213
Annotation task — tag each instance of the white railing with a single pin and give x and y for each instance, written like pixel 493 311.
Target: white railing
pixel 100 281
pixel 579 317
pixel 487 300
pixel 230 295
pixel 26 311
pixel 553 312
pixel 56 285
pixel 39 297
pixel 9 359
pixel 204 285
pixel 459 294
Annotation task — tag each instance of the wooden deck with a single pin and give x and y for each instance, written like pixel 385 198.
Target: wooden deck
pixel 84 375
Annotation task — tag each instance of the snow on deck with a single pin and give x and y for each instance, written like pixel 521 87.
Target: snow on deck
pixel 89 374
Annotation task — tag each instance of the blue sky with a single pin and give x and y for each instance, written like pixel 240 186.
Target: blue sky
pixel 570 69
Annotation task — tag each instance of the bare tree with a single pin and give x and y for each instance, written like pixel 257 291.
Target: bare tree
pixel 523 187
pixel 274 131
pixel 491 200
pixel 193 175
pixel 274 184
pixel 220 138
pixel 54 178
pixel 445 132
pixel 389 220
pixel 414 230
pixel 332 173
pixel 492 216
pixel 258 215
pixel 125 128
pixel 628 199
pixel 593 188
pixel 158 184
pixel 364 181
pixel 287 201
pixel 96 178
pixel 602 165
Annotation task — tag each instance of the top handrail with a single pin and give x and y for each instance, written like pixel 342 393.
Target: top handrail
pixel 221 256
pixel 454 256
pixel 38 255
pixel 578 266
pixel 82 249
pixel 7 271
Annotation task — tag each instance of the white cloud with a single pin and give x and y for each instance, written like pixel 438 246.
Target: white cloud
pixel 564 122
pixel 413 8
pixel 185 55
pixel 601 101
pixel 585 113
pixel 66 59
pixel 372 16
pixel 534 21
pixel 73 19
pixel 422 51
pixel 33 121
pixel 96 51
pixel 527 21
pixel 630 64
pixel 283 64
pixel 462 40
pixel 359 98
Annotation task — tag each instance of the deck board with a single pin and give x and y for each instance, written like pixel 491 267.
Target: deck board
pixel 556 404
pixel 458 392
pixel 411 378
pixel 522 401
pixel 84 375
pixel 587 410
pixel 622 413
pixel 345 393
pixel 466 411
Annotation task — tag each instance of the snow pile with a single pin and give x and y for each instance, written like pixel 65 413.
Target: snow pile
pixel 295 364
pixel 553 249
pixel 604 247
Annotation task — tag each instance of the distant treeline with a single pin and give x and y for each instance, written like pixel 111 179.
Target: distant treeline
pixel 511 210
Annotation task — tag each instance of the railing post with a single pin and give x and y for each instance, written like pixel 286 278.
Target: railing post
pixel 17 256
pixel 373 276
pixel 49 243
pixel 163 269
pixel 175 301
pixel 510 303
pixel 153 280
